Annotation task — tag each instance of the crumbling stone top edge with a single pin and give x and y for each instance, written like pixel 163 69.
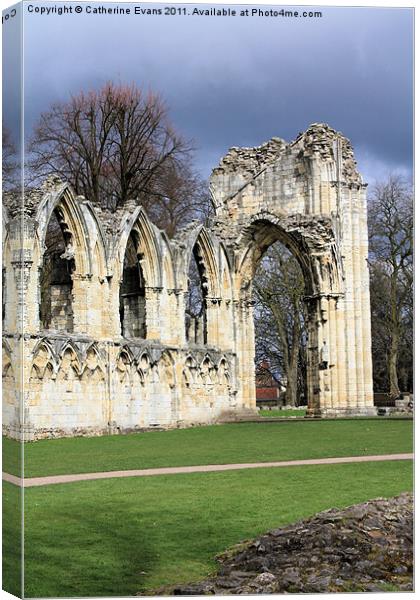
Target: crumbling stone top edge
pixel 319 140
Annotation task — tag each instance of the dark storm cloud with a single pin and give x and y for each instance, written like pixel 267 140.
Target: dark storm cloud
pixel 11 74
pixel 240 81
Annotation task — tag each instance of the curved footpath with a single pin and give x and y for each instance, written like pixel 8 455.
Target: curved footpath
pixel 53 479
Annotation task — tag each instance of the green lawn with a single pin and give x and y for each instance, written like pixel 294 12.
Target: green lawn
pixel 12 538
pixel 284 412
pixel 121 536
pixel 12 456
pixel 218 444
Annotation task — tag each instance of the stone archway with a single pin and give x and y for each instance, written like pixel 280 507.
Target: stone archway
pixel 312 195
pixel 306 194
pixel 314 249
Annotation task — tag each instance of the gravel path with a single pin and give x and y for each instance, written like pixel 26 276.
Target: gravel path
pixel 53 479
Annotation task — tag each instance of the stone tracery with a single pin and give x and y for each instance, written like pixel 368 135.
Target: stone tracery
pixel 121 357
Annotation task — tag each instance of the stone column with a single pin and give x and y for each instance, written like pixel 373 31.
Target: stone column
pixel 355 308
pixel 313 350
pixel 340 324
pixel 80 302
pixel 22 319
pixel 359 366
pixel 213 321
pixel 22 271
pixel 332 309
pixel 333 390
pixel 325 398
pixel 97 299
pixel 172 317
pixel 349 298
pixel 365 304
pixel 226 334
pixel 153 323
pixel 246 352
pixel 112 308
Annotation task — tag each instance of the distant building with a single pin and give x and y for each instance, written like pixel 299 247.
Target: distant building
pixel 267 388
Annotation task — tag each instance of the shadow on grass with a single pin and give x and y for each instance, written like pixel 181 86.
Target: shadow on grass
pixel 121 537
pixel 97 552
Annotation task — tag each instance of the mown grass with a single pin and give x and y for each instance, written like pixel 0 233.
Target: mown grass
pixel 12 456
pixel 218 444
pixel 283 412
pixel 12 539
pixel 119 537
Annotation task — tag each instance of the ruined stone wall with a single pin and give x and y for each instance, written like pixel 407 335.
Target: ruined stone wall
pixel 117 358
pixel 309 195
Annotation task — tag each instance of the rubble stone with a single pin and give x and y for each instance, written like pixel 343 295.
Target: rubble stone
pixel 333 551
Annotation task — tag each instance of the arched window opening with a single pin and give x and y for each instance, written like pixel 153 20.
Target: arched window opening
pixel 132 293
pixel 56 283
pixel 195 303
pixel 280 329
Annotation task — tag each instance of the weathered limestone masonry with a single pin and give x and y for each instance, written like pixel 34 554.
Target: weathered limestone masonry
pixel 105 348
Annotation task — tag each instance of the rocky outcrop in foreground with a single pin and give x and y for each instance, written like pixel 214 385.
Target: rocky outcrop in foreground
pixel 366 547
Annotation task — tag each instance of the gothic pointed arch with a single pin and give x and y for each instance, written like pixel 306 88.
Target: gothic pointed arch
pixel 70 366
pixel 226 281
pixel 223 372
pixel 63 202
pixel 65 230
pixel 201 245
pixel 168 265
pixel 311 242
pixel 93 363
pixel 145 360
pixel 97 241
pixel 123 365
pixel 207 370
pixel 44 359
pixel 126 355
pixel 166 367
pixel 138 266
pixel 147 246
pixel 189 371
pixel 70 347
pixel 201 276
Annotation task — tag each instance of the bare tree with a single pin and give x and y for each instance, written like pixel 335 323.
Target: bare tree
pixel 179 195
pixel 391 279
pixel 279 320
pixel 10 164
pixel 111 144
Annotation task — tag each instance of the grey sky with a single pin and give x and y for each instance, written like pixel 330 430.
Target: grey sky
pixel 239 81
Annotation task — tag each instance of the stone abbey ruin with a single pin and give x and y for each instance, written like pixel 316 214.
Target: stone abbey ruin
pixel 96 338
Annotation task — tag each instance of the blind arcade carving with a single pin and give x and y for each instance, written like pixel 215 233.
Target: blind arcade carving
pixel 110 341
